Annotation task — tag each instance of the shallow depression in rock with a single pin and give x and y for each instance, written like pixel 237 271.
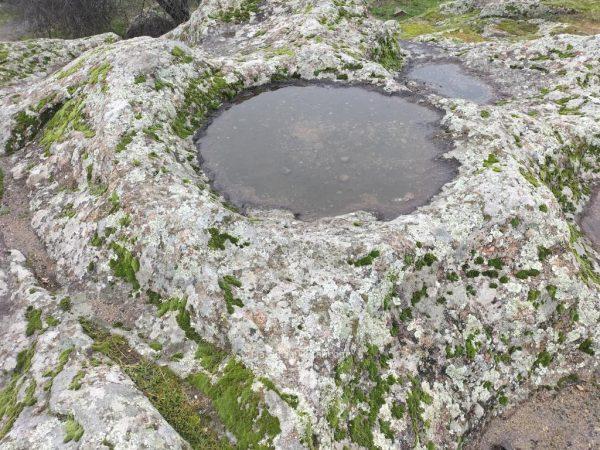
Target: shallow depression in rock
pixel 323 151
pixel 451 80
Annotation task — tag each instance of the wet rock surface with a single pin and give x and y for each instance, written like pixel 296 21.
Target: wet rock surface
pixel 177 321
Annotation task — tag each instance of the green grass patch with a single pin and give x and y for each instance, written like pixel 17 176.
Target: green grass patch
pixel 73 430
pixel 519 29
pixel 174 399
pixel 239 407
pixel 386 9
pixel 11 403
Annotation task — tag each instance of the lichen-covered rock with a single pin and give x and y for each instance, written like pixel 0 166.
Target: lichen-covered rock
pixel 341 331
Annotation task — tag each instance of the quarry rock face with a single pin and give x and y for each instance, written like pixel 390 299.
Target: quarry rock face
pixel 170 320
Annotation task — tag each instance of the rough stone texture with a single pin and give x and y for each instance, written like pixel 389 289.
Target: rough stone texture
pixel 473 302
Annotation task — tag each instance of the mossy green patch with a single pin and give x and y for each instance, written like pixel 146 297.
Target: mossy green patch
pixel 202 95
pixel 76 381
pixel 217 239
pixel 125 265
pixel 73 430
pixel 238 14
pixel 388 9
pixel 355 414
pixel 34 320
pixel 125 140
pixel 366 260
pixel 11 402
pixel 181 56
pixel 586 346
pixel 169 394
pixel 227 283
pixel 519 29
pixel 1 185
pixel 387 52
pixel 99 73
pixel 290 399
pixel 70 117
pixel 239 407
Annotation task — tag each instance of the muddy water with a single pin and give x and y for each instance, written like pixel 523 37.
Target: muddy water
pixel 451 80
pixel 323 151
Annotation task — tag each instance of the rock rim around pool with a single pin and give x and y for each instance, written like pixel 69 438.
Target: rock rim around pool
pixel 186 323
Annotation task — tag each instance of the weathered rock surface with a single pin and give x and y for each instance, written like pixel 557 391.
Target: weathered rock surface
pixel 282 333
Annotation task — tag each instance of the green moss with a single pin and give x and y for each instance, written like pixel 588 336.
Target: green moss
pixel 564 170
pixel 239 407
pixel 519 29
pixel 365 260
pixel 543 359
pixel 73 430
pixel 65 304
pixel 63 358
pixel 426 260
pixel 156 346
pixel 34 320
pixel 181 56
pixel 388 53
pixel 414 400
pixel 202 95
pixel 586 346
pixel 386 9
pixel 125 265
pixel 26 127
pixel 238 14
pixel 139 79
pixel 490 161
pixel 1 185
pixel 69 118
pixel 526 273
pixel 99 73
pixel 168 393
pixel 71 70
pixel 529 177
pixel 543 252
pixel 76 381
pixel 217 239
pixel 290 399
pixel 125 140
pixel 11 402
pixel 227 283
pixel 364 390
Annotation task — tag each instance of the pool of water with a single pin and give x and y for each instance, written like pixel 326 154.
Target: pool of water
pixel 590 222
pixel 451 80
pixel 323 151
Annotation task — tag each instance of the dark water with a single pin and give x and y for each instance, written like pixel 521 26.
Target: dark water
pixel 451 80
pixel 590 222
pixel 323 151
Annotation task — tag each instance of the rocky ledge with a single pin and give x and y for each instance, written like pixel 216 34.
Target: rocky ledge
pixel 164 318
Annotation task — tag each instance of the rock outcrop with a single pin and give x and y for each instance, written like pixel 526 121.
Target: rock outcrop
pixel 176 321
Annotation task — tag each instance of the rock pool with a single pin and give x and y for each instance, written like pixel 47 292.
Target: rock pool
pixel 322 151
pixel 451 80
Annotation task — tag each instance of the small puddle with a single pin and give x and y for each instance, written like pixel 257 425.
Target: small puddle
pixel 590 221
pixel 451 80
pixel 323 151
